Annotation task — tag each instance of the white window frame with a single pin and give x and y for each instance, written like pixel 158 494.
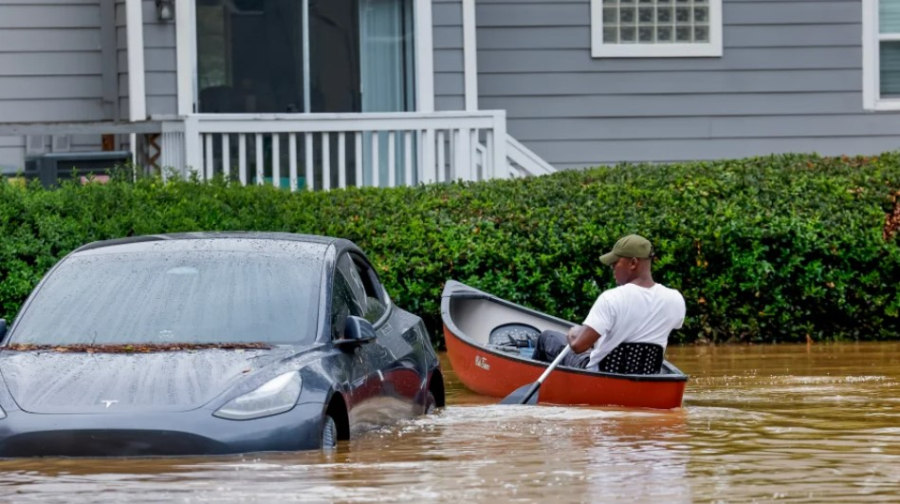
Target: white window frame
pixel 872 39
pixel 713 48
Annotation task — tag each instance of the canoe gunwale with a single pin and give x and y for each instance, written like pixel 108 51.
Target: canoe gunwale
pixel 454 289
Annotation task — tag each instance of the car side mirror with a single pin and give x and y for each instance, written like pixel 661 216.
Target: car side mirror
pixel 357 331
pixel 2 328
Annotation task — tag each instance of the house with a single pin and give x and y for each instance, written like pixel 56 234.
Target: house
pixel 328 93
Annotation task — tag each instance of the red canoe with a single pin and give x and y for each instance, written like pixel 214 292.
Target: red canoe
pixel 472 321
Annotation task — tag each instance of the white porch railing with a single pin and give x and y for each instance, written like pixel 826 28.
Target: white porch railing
pixel 523 162
pixel 318 151
pixel 322 151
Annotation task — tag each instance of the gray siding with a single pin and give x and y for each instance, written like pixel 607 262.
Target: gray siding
pixel 12 151
pixel 51 68
pixel 160 81
pixel 790 80
pixel 448 55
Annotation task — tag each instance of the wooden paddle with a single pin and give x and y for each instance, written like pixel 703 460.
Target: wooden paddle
pixel 528 394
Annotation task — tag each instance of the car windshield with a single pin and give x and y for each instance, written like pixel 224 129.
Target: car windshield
pixel 180 296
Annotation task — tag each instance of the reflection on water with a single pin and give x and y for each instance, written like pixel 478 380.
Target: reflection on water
pixel 759 423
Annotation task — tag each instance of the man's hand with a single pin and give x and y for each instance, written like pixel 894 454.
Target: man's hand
pixel 581 338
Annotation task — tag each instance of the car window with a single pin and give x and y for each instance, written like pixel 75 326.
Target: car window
pixel 376 304
pixel 348 296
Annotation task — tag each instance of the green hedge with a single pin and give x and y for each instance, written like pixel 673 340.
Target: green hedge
pixel 772 249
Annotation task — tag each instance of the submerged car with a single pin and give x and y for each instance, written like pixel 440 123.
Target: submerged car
pixel 209 343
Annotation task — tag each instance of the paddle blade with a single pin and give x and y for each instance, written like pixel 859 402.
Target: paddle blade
pixel 518 396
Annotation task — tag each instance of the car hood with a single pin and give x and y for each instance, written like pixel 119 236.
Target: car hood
pixel 53 382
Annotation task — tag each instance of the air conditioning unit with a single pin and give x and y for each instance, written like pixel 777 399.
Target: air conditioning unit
pixel 56 166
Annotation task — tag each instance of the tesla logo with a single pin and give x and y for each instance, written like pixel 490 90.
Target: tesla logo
pixel 108 403
pixel 482 363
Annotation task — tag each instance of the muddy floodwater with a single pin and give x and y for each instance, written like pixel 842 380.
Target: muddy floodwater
pixel 797 423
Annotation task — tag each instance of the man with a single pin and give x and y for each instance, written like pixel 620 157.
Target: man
pixel 638 310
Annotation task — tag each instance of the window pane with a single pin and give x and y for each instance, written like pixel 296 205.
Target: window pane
pixel 347 270
pixel 664 15
pixel 386 55
pixel 645 15
pixel 701 14
pixel 610 35
pixel 250 56
pixel 664 34
pixel 628 34
pixel 645 34
pixel 683 34
pixel 627 15
pixel 683 14
pixel 334 56
pixel 889 16
pixel 890 69
pixel 342 305
pixel 610 16
pixel 701 34
pixel 375 302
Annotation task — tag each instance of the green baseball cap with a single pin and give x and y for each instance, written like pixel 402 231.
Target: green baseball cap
pixel 629 246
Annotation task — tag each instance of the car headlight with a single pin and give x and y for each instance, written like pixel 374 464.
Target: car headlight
pixel 275 396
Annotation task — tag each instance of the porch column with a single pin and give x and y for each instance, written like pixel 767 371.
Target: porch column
pixel 134 25
pixel 470 55
pixel 185 44
pixel 424 56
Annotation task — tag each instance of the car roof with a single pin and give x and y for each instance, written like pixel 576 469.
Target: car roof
pixel 122 243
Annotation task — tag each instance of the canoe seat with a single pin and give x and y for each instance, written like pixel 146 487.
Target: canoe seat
pixel 515 338
pixel 514 335
pixel 634 358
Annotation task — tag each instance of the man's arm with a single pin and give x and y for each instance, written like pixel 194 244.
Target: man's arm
pixel 582 337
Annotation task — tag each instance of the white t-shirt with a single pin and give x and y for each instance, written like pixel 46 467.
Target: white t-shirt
pixel 633 314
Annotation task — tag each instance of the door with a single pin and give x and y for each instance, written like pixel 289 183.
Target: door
pixel 396 353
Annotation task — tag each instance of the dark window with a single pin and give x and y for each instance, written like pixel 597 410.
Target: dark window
pixel 344 303
pixel 376 303
pixel 250 55
pixel 365 292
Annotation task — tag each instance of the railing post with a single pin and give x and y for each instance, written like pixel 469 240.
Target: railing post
pixel 500 164
pixel 171 148
pixel 464 155
pixel 428 168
